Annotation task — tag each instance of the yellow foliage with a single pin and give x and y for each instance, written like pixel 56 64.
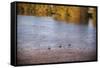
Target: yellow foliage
pixel 71 14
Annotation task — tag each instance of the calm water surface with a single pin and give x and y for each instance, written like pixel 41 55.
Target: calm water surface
pixel 43 32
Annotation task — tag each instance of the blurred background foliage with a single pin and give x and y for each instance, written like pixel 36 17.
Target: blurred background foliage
pixel 70 14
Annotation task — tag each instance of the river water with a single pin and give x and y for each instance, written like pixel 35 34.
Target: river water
pixel 43 32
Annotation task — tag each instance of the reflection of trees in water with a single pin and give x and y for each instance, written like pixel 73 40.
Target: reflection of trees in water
pixel 69 14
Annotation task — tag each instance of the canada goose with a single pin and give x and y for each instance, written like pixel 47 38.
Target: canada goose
pixel 60 46
pixel 49 48
pixel 69 45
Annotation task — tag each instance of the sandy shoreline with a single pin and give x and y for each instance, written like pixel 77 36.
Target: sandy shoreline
pixel 35 56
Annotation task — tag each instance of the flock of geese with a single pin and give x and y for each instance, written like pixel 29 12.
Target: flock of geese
pixel 60 46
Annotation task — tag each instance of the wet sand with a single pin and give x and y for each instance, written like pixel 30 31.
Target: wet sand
pixel 54 55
